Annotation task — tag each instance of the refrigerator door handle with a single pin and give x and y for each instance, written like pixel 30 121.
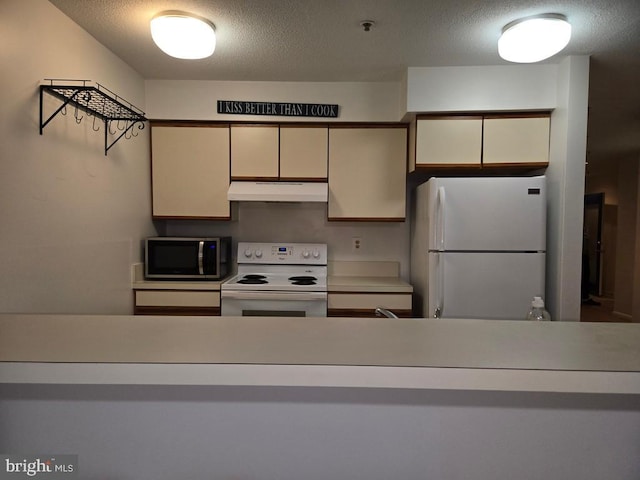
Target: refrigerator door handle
pixel 437 313
pixel 439 231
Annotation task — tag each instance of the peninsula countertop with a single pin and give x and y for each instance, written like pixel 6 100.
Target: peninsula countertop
pixel 365 352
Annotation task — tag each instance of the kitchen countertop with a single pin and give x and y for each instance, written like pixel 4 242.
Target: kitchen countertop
pixel 366 277
pixel 353 277
pixel 315 352
pixel 367 284
pixel 334 284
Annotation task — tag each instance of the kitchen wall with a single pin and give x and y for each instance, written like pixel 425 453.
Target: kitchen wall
pixel 565 187
pixel 487 88
pixel 71 218
pixel 290 222
pixel 635 311
pixel 196 100
pixel 626 238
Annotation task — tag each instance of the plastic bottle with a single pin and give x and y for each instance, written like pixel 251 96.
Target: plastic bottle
pixel 537 312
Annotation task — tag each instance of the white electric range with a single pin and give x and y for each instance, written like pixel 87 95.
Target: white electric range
pixel 277 279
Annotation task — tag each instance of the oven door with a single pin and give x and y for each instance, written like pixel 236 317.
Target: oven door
pixel 274 304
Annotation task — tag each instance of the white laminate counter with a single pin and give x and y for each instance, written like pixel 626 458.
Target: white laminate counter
pixel 316 352
pixel 367 284
pixel 366 277
pixel 334 284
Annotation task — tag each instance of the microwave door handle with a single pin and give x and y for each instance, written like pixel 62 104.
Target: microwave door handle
pixel 201 257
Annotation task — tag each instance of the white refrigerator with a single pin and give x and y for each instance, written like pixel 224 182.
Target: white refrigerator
pixel 478 246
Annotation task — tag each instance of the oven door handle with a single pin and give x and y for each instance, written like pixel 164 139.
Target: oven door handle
pixel 297 296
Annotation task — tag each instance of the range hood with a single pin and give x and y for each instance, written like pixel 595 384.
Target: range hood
pixel 278 192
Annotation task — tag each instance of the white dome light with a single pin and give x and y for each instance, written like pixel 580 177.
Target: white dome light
pixel 183 35
pixel 535 38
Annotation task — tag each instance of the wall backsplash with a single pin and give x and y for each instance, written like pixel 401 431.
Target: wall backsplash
pixel 305 222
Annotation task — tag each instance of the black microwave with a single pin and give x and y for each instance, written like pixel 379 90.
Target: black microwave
pixel 187 258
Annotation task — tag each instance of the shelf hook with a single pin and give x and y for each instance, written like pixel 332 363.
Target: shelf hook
pixel 121 128
pixel 94 125
pixel 75 114
pixel 140 127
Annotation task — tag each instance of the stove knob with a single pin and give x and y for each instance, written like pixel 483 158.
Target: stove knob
pixel 305 253
pixel 316 254
pixel 258 253
pixel 247 253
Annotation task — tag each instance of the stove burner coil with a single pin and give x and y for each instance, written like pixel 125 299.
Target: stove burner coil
pixel 303 280
pixel 253 279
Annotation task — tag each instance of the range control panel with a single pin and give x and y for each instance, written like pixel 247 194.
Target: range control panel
pixel 282 253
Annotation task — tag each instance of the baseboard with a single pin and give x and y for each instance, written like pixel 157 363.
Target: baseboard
pixel 626 316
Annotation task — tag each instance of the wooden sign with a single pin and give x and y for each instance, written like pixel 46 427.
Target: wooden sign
pixel 236 107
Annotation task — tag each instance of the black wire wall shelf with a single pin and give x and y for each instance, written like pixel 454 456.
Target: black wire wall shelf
pixel 118 116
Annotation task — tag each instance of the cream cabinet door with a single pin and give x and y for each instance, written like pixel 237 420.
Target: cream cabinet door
pixel 304 152
pixel 176 302
pixel 175 298
pixel 367 173
pixel 448 141
pixel 190 171
pixel 364 304
pixel 516 141
pixel 254 152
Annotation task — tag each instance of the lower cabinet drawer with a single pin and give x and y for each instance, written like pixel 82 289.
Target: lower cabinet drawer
pixel 364 304
pixel 176 302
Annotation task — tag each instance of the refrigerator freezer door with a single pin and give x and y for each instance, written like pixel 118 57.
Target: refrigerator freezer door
pixel 484 285
pixel 486 214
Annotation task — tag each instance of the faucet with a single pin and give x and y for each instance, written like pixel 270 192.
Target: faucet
pixel 383 312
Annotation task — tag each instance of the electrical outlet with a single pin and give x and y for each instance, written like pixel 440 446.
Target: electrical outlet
pixel 356 244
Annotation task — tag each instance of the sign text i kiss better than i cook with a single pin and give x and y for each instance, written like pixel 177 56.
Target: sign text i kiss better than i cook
pixel 237 107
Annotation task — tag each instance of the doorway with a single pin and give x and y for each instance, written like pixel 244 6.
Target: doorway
pixel 598 260
pixel 592 245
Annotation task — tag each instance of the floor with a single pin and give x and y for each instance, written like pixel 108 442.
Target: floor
pixel 600 313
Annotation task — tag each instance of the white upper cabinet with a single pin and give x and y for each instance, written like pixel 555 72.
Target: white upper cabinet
pixel 272 152
pixel 479 141
pixel 367 173
pixel 516 140
pixel 254 152
pixel 449 141
pixel 190 171
pixel 304 152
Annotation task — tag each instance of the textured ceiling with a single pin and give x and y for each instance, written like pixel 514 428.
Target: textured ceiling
pixel 322 40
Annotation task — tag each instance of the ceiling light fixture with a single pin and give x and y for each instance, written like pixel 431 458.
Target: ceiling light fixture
pixel 183 35
pixel 533 39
